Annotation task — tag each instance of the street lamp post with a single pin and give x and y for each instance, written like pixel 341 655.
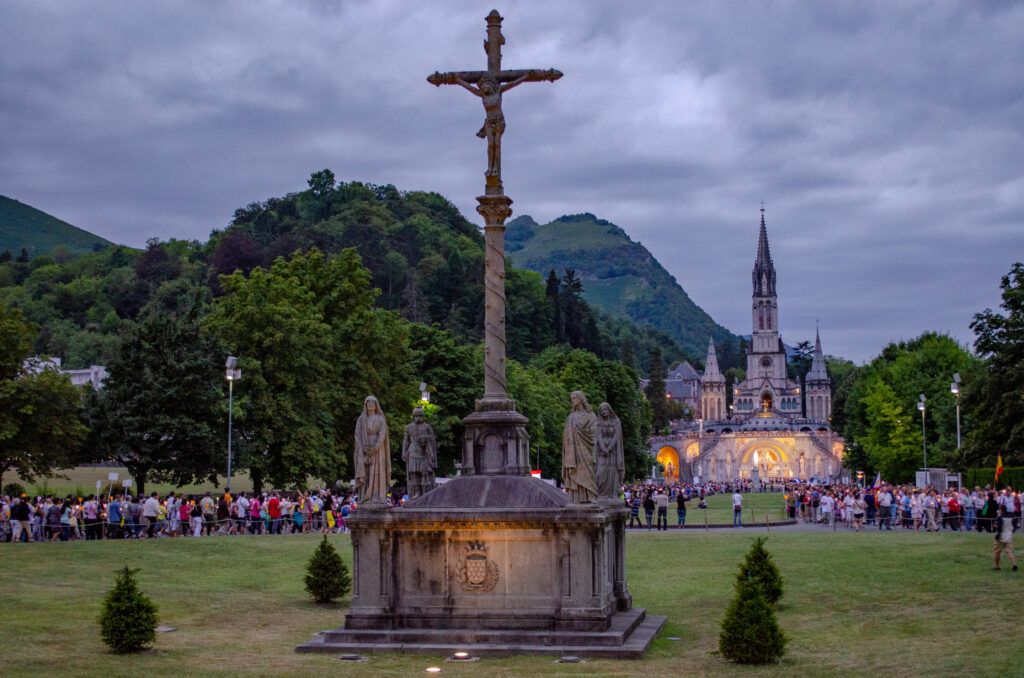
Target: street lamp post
pixel 955 388
pixel 232 373
pixel 924 442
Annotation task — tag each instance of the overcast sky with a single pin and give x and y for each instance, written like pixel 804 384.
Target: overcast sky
pixel 886 138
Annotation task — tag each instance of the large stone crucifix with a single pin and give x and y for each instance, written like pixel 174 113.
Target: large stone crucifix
pixel 495 206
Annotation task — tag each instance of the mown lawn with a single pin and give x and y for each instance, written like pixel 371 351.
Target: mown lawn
pixel 81 481
pixel 855 604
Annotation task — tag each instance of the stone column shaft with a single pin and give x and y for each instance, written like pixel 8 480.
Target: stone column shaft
pixel 495 209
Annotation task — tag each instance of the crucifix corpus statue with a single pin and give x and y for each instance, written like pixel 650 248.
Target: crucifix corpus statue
pixel 489 85
pixel 495 206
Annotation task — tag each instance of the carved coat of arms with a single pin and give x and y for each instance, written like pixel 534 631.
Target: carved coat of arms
pixel 474 570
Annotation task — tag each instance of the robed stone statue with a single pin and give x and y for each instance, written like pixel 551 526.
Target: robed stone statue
pixel 419 452
pixel 372 453
pixel 578 451
pixel 609 458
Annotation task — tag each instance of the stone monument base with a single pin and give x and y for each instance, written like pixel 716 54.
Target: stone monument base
pixel 628 636
pixel 491 564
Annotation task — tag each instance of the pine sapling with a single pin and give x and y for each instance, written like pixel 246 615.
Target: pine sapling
pixel 759 567
pixel 128 620
pixel 750 633
pixel 327 576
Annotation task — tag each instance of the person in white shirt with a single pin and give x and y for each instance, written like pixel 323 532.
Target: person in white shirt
pixel 173 514
pixel 884 500
pixel 737 509
pixel 828 504
pixel 150 510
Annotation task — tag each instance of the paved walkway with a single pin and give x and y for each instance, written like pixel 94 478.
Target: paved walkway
pixel 788 526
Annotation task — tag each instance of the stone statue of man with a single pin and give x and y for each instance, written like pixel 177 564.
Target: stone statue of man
pixel 419 452
pixel 609 460
pixel 578 451
pixel 372 453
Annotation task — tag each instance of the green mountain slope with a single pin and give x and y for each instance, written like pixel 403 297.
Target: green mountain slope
pixel 24 226
pixel 620 276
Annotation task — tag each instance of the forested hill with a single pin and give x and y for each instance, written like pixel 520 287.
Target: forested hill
pixel 619 276
pixel 423 255
pixel 25 227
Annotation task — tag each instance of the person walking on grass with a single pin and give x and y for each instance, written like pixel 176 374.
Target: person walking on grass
pixel 1004 538
pixel 681 499
pixel 737 509
pixel 649 510
pixel 661 500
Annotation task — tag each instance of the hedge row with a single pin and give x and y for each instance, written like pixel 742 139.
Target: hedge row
pixel 1011 475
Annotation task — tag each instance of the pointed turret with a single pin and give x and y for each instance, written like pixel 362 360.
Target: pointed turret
pixel 711 372
pixel 712 400
pixel 819 391
pixel 764 270
pixel 817 371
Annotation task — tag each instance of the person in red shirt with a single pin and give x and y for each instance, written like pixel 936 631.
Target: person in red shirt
pixel 954 511
pixel 274 512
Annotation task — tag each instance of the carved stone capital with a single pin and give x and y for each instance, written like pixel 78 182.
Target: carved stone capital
pixel 495 209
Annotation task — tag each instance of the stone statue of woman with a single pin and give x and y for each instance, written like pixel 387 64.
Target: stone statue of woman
pixel 578 451
pixel 372 453
pixel 609 459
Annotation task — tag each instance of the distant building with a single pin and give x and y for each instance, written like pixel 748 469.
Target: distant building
pixel 767 434
pixel 94 375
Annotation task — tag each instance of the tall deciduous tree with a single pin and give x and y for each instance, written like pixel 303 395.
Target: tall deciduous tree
pixel 311 347
pixel 922 365
pixel 892 442
pixel 995 394
pixel 40 423
pixel 162 412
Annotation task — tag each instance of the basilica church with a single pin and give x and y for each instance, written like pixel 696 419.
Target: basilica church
pixel 769 431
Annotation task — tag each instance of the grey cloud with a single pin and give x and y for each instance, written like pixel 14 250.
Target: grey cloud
pixel 884 137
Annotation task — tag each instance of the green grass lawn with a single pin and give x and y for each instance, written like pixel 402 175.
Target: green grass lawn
pixel 81 481
pixel 888 604
pixel 757 506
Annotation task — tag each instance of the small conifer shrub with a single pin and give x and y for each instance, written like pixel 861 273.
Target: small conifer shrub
pixel 759 568
pixel 128 620
pixel 750 632
pixel 327 576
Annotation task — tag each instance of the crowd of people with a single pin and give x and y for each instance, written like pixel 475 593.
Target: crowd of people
pixel 903 507
pixel 120 516
pixel 887 506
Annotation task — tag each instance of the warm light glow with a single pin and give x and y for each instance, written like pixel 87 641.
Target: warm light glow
pixel 461 655
pixel 433 669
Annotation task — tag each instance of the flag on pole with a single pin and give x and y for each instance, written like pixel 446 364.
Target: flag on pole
pixel 999 466
pixel 878 481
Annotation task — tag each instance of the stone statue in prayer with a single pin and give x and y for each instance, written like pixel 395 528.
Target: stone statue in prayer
pixel 578 451
pixel 609 458
pixel 419 452
pixel 372 454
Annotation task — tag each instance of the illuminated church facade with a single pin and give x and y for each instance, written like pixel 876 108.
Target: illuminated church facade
pixel 767 433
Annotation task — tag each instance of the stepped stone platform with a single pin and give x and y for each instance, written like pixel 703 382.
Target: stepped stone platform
pixel 628 637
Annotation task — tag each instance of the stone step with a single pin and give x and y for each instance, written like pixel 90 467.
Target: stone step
pixel 622 624
pixel 629 637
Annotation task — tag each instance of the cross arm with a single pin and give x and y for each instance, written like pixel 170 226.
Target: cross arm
pixel 527 75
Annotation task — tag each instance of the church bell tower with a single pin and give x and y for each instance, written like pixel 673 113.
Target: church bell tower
pixel 766 359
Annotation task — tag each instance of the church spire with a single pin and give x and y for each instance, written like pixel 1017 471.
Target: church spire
pixel 817 371
pixel 711 371
pixel 764 270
